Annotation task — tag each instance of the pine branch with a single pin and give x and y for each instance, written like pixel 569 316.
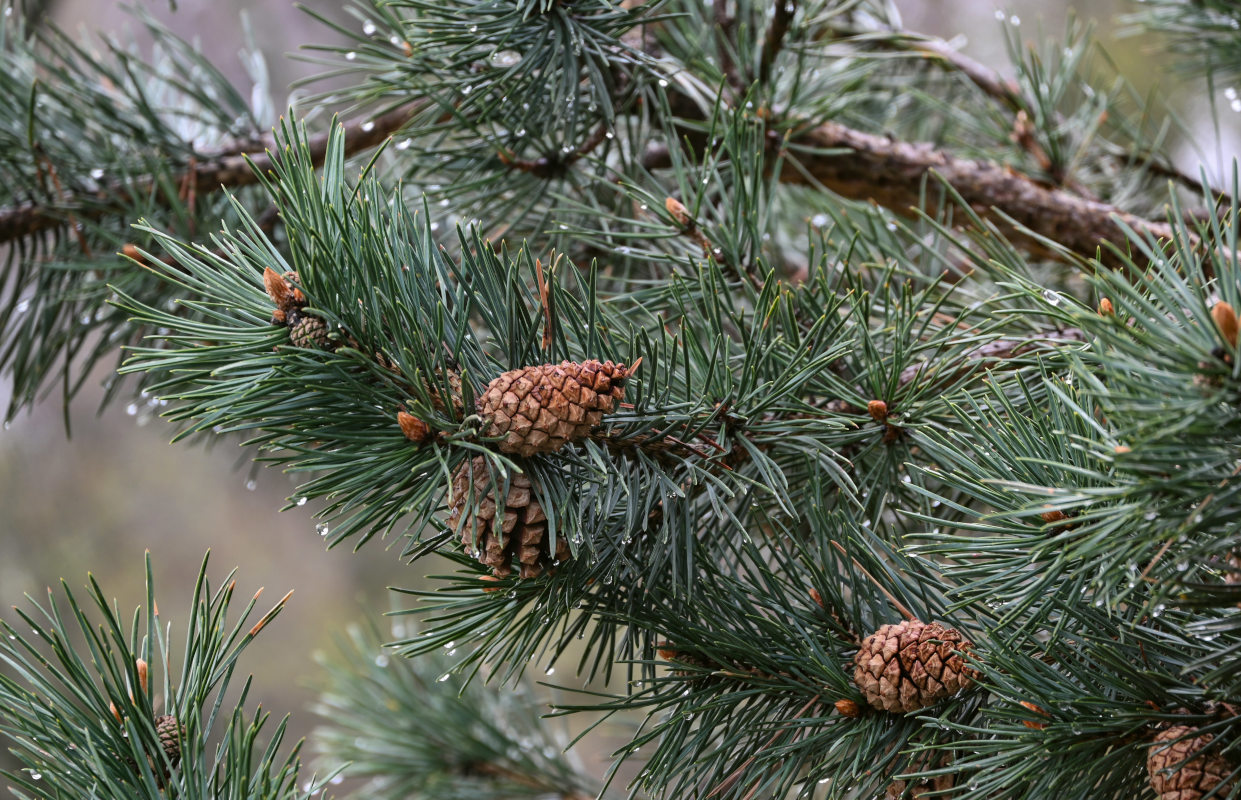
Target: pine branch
pixel 229 168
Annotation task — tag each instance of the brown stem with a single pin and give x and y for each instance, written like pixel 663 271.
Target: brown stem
pixel 1009 93
pixel 890 172
pixel 780 21
pixel 210 173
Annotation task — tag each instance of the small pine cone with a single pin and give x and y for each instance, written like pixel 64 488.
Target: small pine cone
pixel 1226 320
pixel 309 332
pixel 541 409
pixel 453 379
pixel 520 534
pixel 1176 773
pixel 911 665
pixel 170 735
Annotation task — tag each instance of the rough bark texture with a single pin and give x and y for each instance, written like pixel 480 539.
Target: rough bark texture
pixel 890 172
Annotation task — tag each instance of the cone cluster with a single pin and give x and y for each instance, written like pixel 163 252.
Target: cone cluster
pixel 540 409
pixel 305 330
pixel 911 665
pixel 1179 771
pixel 500 538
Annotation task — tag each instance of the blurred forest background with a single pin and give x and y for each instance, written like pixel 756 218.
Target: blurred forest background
pixel 97 500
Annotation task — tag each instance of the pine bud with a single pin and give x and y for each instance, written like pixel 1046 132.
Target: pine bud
pixel 1105 308
pixel 848 708
pixel 1226 319
pixel 679 212
pixel 878 410
pixel 414 429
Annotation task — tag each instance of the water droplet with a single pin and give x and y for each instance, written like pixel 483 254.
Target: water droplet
pixel 96 173
pixel 520 132
pixel 368 28
pixel 1051 297
pixel 394 40
pixel 663 82
pixel 467 89
pixel 131 409
pixel 381 660
pixel 1235 105
pixel 322 529
pixel 23 306
pixel 368 126
pixel 35 776
pixel 443 677
pixel 506 58
pixel 350 56
pixel 473 29
pixel 1014 20
pixel 999 15
pixel 610 135
pixel 550 670
pixel 251 485
pixel 301 501
pixel 404 144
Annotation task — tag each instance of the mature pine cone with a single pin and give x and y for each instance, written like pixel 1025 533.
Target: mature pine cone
pixel 310 332
pixel 911 665
pixel 1177 774
pixel 541 409
pixel 521 532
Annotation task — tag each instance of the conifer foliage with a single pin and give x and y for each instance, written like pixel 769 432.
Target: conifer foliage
pixel 868 420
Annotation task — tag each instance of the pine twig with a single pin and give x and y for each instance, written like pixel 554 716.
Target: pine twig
pixel 229 168
pixel 780 22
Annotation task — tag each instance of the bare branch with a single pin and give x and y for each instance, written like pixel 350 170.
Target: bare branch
pixel 225 169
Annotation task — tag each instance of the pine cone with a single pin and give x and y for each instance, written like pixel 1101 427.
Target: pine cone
pixel 169 731
pixel 521 532
pixel 541 409
pixel 309 332
pixel 453 379
pixel 911 665
pixel 1192 776
pixel 916 789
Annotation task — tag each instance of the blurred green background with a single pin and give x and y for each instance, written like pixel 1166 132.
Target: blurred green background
pixel 116 488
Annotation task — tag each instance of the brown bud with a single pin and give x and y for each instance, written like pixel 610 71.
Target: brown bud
pixel 290 278
pixel 1055 515
pixel 490 579
pixel 414 429
pixel 1121 449
pixel 666 651
pixel 278 289
pixel 679 212
pixel 1038 726
pixel 131 251
pixel 1105 308
pixel 1226 319
pixel 878 410
pixel 142 674
pixel 816 597
pixel 848 708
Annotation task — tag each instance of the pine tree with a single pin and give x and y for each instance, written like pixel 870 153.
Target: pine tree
pixel 872 419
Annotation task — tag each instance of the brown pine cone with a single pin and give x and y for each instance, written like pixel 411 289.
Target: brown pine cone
pixel 453 379
pixel 541 409
pixel 521 533
pixel 1176 773
pixel 911 665
pixel 916 789
pixel 309 332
